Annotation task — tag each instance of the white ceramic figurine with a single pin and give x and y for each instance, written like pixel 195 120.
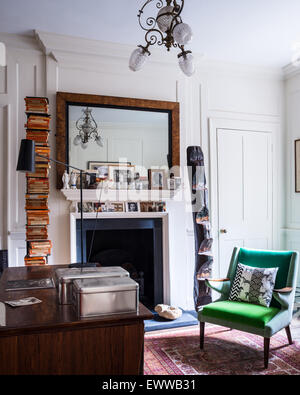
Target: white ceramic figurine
pixel 65 180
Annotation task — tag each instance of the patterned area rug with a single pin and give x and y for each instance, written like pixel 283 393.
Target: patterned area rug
pixel 225 353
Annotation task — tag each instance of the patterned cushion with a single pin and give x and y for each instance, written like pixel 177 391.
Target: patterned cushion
pixel 253 285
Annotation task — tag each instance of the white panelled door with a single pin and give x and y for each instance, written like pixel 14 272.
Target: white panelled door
pixel 244 192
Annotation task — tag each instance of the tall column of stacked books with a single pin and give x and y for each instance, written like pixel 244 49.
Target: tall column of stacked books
pixel 37 212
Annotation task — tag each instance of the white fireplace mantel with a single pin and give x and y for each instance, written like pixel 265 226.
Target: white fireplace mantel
pixel 119 195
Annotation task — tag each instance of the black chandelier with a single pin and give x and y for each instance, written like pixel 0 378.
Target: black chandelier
pixel 87 129
pixel 166 29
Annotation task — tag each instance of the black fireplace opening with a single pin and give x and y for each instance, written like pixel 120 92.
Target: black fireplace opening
pixel 133 244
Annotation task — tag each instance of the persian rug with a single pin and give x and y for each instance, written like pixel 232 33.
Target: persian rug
pixel 225 353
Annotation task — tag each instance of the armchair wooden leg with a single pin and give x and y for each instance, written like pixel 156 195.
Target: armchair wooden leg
pixel 202 330
pixel 266 351
pixel 289 335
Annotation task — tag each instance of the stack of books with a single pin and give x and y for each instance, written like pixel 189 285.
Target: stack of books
pixel 38 217
pixel 39 248
pixel 38 122
pixel 36 202
pixel 37 105
pixel 39 136
pixel 35 261
pixel 37 211
pixel 37 185
pixel 41 170
pixel 36 232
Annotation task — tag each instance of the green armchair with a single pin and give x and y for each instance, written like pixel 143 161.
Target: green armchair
pixel 247 317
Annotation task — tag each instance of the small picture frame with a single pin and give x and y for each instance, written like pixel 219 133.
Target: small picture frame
pixel 160 207
pixel 100 207
pixel 101 169
pixel 121 174
pixel 132 207
pixel 115 207
pixel 157 179
pixel 297 166
pixel 153 207
pixel 147 207
pixel 87 207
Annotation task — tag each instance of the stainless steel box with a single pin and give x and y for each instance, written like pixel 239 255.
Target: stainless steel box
pixel 105 296
pixel 65 278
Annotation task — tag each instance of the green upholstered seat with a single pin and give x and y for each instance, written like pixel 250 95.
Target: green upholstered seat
pixel 237 312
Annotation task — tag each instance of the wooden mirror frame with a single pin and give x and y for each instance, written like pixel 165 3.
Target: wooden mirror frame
pixel 63 99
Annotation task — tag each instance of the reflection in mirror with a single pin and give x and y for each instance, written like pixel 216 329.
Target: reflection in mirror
pixel 103 134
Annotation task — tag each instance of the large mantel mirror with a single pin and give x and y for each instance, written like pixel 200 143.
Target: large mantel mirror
pixel 95 129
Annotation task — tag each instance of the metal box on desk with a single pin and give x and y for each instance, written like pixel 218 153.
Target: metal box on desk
pixel 65 278
pixel 105 296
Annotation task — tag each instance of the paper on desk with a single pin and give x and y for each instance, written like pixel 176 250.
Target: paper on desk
pixel 23 302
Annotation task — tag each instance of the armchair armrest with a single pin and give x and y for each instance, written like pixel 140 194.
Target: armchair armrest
pixel 283 296
pixel 222 286
pixel 219 280
pixel 283 290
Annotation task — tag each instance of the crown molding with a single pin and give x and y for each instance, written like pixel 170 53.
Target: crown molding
pixel 64 49
pixel 290 71
pixel 59 46
pixel 52 43
pixel 20 41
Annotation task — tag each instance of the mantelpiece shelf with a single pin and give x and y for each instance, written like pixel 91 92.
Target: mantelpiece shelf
pixel 118 195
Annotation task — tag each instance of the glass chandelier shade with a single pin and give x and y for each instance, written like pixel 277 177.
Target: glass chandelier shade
pixel 77 140
pixel 87 130
pixel 99 141
pixel 186 63
pixel 138 58
pixel 166 29
pixel 164 18
pixel 182 34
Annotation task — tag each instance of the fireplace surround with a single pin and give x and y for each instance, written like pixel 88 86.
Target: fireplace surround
pixel 138 242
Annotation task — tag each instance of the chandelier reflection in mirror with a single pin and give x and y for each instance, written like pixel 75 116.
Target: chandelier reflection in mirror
pixel 166 29
pixel 88 129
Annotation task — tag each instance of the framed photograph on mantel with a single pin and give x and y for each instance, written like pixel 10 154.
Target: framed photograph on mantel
pixel 297 166
pixel 157 179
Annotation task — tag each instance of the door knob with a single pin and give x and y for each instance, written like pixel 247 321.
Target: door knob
pixel 223 231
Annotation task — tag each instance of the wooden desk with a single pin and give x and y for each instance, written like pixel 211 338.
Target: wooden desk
pixel 48 338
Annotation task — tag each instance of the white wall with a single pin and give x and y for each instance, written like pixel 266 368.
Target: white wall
pixel 67 64
pixel 291 230
pixel 23 75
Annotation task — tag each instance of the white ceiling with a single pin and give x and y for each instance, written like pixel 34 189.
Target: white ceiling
pixel 259 32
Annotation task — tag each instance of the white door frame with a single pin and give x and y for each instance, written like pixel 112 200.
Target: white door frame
pixel 251 126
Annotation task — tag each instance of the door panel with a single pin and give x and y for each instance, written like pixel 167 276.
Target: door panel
pixel 244 192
